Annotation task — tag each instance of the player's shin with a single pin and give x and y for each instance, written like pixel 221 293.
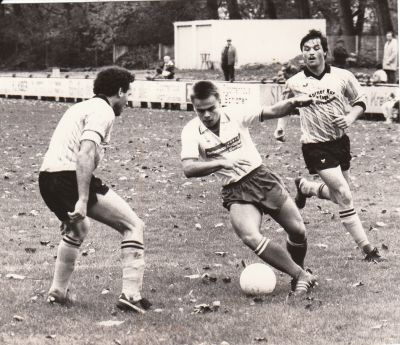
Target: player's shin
pixel 352 223
pixel 273 254
pixel 318 189
pixel 132 253
pixel 297 250
pixel 67 253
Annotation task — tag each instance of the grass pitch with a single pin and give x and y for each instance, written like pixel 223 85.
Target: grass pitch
pixel 355 302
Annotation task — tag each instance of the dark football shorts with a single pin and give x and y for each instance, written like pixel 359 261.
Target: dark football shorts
pixel 261 188
pixel 329 154
pixel 59 191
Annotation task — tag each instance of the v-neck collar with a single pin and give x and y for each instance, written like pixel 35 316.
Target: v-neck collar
pixel 224 119
pixel 308 73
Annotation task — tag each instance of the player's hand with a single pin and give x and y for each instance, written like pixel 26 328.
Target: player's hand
pixel 237 165
pixel 280 135
pixel 342 122
pixel 79 212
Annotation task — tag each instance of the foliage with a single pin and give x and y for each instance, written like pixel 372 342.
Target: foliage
pixel 83 34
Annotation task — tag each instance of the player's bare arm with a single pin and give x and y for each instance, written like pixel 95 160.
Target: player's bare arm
pixel 285 107
pixel 345 121
pixel 84 169
pixel 196 168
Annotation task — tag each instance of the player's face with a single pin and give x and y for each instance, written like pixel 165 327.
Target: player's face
pixel 208 110
pixel 389 36
pixel 313 53
pixel 122 101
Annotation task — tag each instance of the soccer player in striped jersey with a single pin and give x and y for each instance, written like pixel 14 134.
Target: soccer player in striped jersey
pixel 73 193
pixel 325 145
pixel 218 141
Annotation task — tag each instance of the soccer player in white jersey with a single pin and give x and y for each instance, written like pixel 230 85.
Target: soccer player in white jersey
pixel 218 142
pixel 73 193
pixel 325 145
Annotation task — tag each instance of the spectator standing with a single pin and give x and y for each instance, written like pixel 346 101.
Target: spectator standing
pixel 228 60
pixel 390 57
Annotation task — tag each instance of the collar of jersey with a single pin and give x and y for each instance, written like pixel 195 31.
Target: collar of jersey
pixel 103 97
pixel 224 119
pixel 308 73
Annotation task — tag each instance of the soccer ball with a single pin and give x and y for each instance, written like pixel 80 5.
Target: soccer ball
pixel 257 279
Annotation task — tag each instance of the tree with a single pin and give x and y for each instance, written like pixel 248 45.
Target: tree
pixel 384 17
pixel 303 8
pixel 233 9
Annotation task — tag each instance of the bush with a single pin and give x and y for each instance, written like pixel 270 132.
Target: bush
pixel 139 57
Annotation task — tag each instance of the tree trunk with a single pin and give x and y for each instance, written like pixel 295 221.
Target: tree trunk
pixel 360 17
pixel 303 8
pixel 233 9
pixel 346 23
pixel 269 9
pixel 384 18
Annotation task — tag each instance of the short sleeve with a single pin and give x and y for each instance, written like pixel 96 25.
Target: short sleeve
pixel 245 115
pixel 190 143
pixel 97 124
pixel 353 92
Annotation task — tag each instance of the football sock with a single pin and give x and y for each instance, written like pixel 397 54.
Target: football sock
pixel 132 253
pixel 273 254
pixel 351 221
pixel 318 189
pixel 67 253
pixel 297 250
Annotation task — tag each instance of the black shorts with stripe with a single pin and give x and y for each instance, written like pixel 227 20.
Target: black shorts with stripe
pixel 59 191
pixel 261 188
pixel 329 154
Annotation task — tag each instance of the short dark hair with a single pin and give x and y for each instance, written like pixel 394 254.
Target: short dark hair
pixel 111 79
pixel 204 89
pixel 313 34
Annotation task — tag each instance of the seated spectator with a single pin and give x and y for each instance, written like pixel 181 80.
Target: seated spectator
pixel 340 54
pixel 352 60
pixel 379 76
pixel 165 71
pixel 390 108
pixel 395 112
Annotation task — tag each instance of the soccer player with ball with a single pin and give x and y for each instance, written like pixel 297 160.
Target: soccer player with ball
pixel 325 145
pixel 74 194
pixel 218 142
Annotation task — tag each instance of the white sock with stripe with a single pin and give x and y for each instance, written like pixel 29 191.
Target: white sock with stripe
pixel 67 252
pixel 351 221
pixel 272 253
pixel 132 253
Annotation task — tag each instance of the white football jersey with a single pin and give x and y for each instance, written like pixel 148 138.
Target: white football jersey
pixel 336 84
pixel 234 141
pixel 88 120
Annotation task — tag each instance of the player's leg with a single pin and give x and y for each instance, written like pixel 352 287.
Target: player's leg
pixel 246 221
pixel 339 188
pixel 112 210
pixel 307 189
pixel 67 253
pixel 290 219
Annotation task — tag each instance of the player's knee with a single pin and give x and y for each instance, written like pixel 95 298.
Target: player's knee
pixel 343 195
pixel 133 228
pixel 80 230
pixel 250 240
pixel 297 232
